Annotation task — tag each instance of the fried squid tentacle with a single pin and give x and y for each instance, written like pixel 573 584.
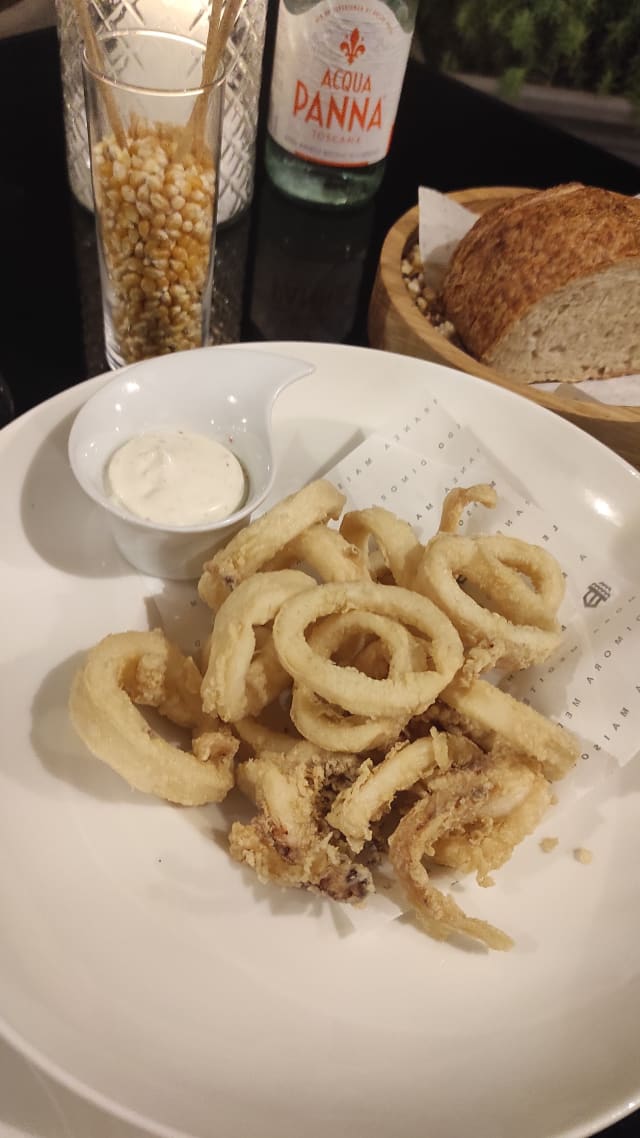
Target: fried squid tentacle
pixel 454 805
pixel 289 842
pixel 520 798
pixel 457 501
pixel 373 791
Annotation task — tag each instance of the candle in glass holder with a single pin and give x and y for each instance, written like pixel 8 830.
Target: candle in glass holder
pixel 189 17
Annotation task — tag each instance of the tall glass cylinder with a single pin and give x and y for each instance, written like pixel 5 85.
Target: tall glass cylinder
pixel 154 136
pixel 182 17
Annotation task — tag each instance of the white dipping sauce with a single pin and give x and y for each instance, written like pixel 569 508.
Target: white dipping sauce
pixel 176 478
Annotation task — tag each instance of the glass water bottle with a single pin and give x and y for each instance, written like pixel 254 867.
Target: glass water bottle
pixel 338 71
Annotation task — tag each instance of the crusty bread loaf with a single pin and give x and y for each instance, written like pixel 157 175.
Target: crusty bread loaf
pixel 547 286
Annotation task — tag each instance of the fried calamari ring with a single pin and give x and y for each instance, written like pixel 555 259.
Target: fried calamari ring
pixel 516 724
pixel 225 690
pixel 334 729
pixel 326 552
pixel 374 789
pixel 511 562
pixel 394 538
pixel 457 501
pixel 130 668
pixel 401 695
pixel 266 678
pixel 519 621
pixel 344 635
pixel 252 548
pixel 454 801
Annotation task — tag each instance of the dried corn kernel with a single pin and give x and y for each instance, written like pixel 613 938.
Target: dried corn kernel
pixel 424 297
pixel 156 217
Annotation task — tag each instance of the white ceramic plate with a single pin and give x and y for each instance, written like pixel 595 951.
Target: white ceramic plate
pixel 143 968
pixel 28 1105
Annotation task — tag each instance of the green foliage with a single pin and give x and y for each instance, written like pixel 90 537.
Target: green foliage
pixel 511 81
pixel 592 45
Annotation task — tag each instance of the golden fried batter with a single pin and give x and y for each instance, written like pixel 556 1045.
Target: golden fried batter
pixel 454 802
pixel 130 668
pixel 357 704
pixel 289 842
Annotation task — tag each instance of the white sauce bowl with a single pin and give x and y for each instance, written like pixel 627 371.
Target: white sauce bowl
pixel 226 394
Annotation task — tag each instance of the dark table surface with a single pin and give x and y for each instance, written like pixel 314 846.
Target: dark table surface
pixel 283 271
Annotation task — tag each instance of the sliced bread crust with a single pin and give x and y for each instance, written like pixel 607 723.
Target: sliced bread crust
pixel 521 259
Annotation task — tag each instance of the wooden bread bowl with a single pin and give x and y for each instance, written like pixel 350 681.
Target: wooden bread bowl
pixel 397 325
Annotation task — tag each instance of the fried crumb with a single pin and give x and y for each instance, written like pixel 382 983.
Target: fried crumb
pixel 585 857
pixel 548 844
pixel 553 801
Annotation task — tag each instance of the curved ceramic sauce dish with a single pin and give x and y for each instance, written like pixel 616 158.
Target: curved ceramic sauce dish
pixel 226 394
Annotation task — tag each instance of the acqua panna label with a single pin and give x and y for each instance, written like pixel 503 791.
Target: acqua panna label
pixel 337 75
